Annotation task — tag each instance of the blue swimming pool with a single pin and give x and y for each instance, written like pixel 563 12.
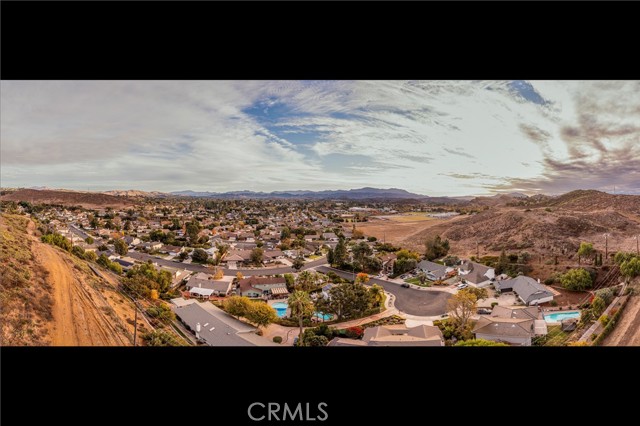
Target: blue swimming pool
pixel 281 309
pixel 559 316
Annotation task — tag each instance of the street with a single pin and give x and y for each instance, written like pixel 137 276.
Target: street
pixel 194 267
pixel 408 300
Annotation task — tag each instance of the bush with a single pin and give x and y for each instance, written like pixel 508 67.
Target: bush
pixel 554 303
pixel 493 305
pixel 604 320
pixel 354 332
pixel 277 339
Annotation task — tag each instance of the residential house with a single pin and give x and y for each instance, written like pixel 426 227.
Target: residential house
pixel 258 287
pixel 529 291
pixel 171 250
pixel 395 335
pixel 434 271
pixel 388 260
pixel 514 326
pixel 150 246
pixel 270 256
pixel 476 274
pixel 204 286
pixel 214 327
pixel 330 236
pixel 131 241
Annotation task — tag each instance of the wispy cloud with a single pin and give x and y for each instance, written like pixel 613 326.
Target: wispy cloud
pixel 435 137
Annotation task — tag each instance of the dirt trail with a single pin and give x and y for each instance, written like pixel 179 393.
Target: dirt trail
pixel 627 331
pixel 80 317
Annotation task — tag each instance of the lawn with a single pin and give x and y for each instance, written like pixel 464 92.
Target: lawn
pixel 416 281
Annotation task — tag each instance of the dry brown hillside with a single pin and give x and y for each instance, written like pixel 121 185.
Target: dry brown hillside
pixel 68 198
pixel 48 297
pixel 551 226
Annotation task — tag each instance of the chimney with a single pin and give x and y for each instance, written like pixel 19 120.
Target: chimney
pixel 197 330
pixel 200 284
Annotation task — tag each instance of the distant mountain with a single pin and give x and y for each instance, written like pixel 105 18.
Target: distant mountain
pixel 135 193
pixel 351 194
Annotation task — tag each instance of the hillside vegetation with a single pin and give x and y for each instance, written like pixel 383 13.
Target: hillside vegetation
pixel 26 303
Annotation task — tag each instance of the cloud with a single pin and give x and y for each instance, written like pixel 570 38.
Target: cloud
pixel 423 136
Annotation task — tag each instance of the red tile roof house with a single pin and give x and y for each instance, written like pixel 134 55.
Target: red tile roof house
pixel 261 287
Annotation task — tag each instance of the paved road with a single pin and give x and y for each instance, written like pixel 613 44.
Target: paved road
pixel 79 231
pixel 194 267
pixel 408 300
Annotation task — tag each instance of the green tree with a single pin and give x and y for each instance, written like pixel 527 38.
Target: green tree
pixel 503 263
pixel 598 306
pixel 630 268
pixel 360 252
pixel 422 277
pixel 349 301
pixel 340 253
pixel 330 257
pixel 285 233
pixel 78 251
pixel 290 280
pixel 301 306
pixel 435 248
pixel 461 307
pixel 94 222
pixel 307 281
pixel 237 306
pixel 479 342
pixel 120 247
pixel 90 256
pixel 400 266
pixel 160 338
pixel 377 295
pixel 406 254
pixel 480 293
pixel 316 340
pixel 585 250
pixel 622 256
pixel 257 255
pixel 161 312
pixel 193 229
pixel 362 278
pixel 89 240
pixel 127 225
pixel 298 263
pixel 576 280
pixel 261 314
pixel 199 255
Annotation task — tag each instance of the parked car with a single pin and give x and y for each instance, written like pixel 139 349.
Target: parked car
pixel 405 285
pixel 482 311
pixel 461 286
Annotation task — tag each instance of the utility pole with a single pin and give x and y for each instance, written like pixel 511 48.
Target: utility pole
pixel 637 248
pixel 606 247
pixel 477 250
pixel 135 323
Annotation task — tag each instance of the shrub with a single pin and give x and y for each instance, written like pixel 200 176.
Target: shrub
pixel 277 339
pixel 355 332
pixel 594 336
pixel 553 303
pixel 493 305
pixel 604 320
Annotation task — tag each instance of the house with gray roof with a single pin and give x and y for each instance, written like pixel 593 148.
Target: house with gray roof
pixel 395 335
pixel 514 326
pixel 530 291
pixel 434 271
pixel 197 284
pixel 476 274
pixel 217 328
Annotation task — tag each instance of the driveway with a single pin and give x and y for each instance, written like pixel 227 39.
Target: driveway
pixel 408 300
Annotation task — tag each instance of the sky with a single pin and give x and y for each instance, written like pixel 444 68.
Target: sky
pixel 436 138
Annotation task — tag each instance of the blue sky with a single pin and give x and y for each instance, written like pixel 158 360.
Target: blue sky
pixel 429 137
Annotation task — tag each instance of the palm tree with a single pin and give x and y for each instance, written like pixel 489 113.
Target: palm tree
pixel 301 306
pixel 377 294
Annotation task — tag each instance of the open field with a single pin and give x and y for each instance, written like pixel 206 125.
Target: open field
pixel 401 228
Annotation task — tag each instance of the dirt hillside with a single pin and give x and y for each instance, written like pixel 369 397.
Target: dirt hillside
pixel 52 298
pixel 68 198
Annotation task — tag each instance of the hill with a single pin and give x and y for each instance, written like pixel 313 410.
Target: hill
pixel 49 297
pixel 545 226
pixel 67 198
pixel 135 193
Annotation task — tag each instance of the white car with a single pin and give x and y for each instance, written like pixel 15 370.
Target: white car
pixel 461 286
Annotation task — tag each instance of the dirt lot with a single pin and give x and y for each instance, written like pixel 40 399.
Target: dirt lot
pixel 401 228
pixel 627 331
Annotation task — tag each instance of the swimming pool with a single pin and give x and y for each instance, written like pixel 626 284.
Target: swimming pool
pixel 559 316
pixel 281 309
